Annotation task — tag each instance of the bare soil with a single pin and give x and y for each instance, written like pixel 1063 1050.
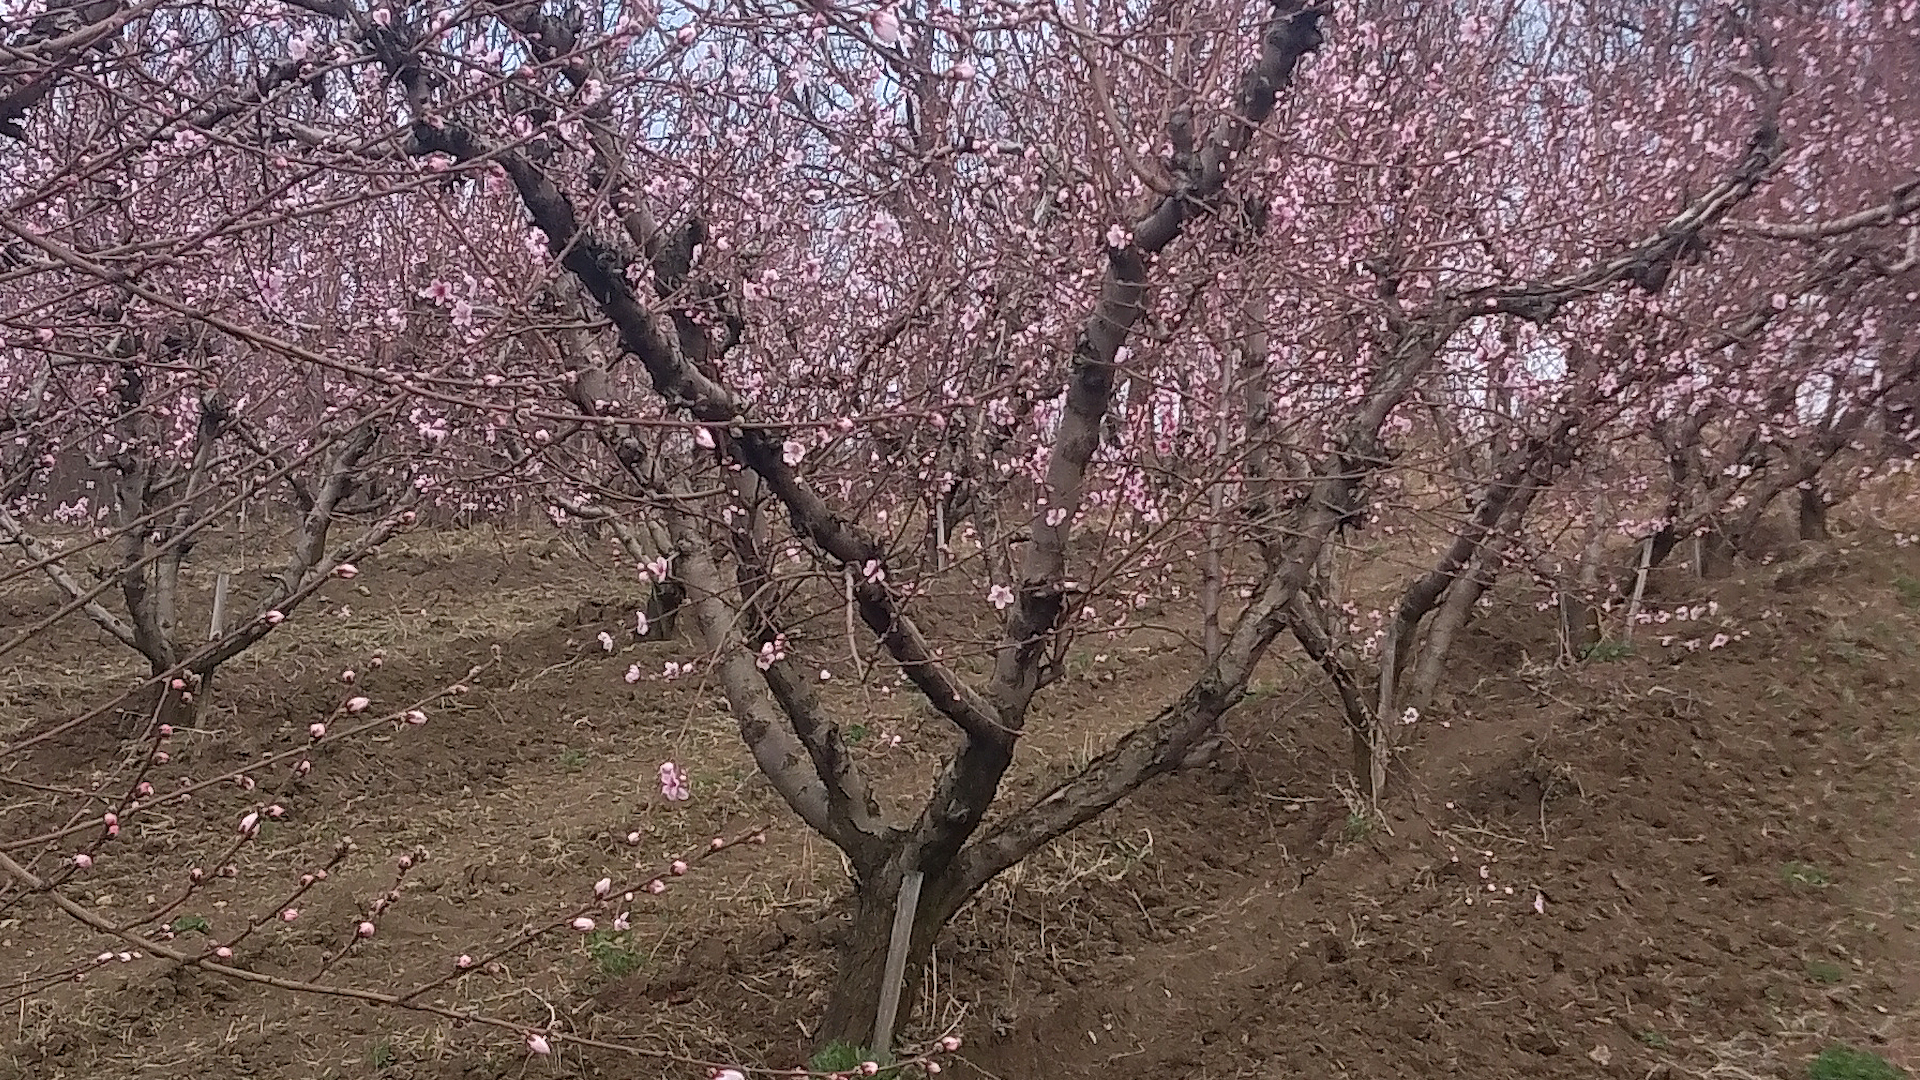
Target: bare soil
pixel 1676 862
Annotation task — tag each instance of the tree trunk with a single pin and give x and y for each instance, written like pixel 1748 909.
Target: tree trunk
pixel 1713 555
pixel 1813 513
pixel 855 1000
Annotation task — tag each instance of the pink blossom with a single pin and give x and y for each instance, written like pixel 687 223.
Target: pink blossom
pixel 382 17
pixel 886 26
pixel 622 923
pixel 950 1043
pixel 348 676
pixel 602 887
pixel 365 929
pixel 674 783
pixel 793 452
pixel 83 860
pixel 416 717
pixel 289 914
pixel 274 618
pixel 346 570
pixel 537 1043
pixel 640 625
pixel 633 673
pixel 1000 597
pixel 250 824
pixel 357 704
pixel 463 961
pixel 606 641
pixel 223 953
pixel 583 924
pixel 703 438
pixel 679 867
pixel 316 731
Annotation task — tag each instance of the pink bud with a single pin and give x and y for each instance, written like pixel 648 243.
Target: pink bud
pixel 346 570
pixel 376 660
pixel 357 704
pixel 869 1068
pixel 463 961
pixel 276 811
pixel 161 757
pixel 602 887
pixel 83 860
pixel 289 914
pixel 348 676
pixel 110 819
pixel 275 618
pixel 716 843
pixel 656 886
pixel 679 867
pixel 365 929
pixel 250 824
pixel 223 953
pixel 633 838
pixel 179 684
pixel 404 862
pixel 932 1067
pixel 538 1044
pixel 886 26
pixel 317 731
pixel 416 717
pixel 950 1043
pixel 583 924
pixel 113 831
pixel 196 874
pixel 144 789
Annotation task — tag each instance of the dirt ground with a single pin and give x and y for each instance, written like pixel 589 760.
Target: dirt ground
pixel 1676 862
